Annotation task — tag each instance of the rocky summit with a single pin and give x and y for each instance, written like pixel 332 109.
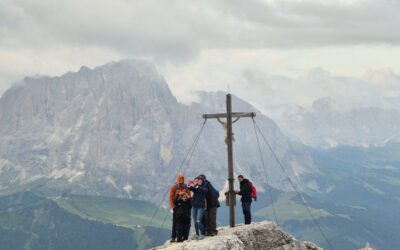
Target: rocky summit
pixel 256 236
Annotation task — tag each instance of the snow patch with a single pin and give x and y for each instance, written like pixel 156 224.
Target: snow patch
pixel 166 154
pixel 167 130
pixel 313 185
pixel 3 163
pixel 76 175
pixel 23 175
pixel 110 180
pixel 329 189
pixel 128 188
pixel 84 149
pixel 65 172
pixel 298 169
pixel 54 138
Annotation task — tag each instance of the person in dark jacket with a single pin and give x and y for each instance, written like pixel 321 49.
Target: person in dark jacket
pixel 210 214
pixel 198 205
pixel 183 209
pixel 245 192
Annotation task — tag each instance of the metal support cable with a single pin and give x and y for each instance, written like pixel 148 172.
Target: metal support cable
pixel 184 171
pixel 265 172
pixel 188 154
pixel 293 186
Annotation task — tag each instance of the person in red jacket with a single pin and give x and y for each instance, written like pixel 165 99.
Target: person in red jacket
pixel 175 189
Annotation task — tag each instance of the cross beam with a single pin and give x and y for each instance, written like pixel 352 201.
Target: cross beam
pixel 229 115
pixel 234 115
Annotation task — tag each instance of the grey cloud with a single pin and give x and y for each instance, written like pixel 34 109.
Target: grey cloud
pixel 256 79
pixel 310 23
pixel 181 29
pixel 140 28
pixel 318 83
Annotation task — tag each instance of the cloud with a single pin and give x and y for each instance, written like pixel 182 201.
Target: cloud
pixel 350 92
pixel 180 29
pixel 136 28
pixel 262 46
pixel 265 78
pixel 54 60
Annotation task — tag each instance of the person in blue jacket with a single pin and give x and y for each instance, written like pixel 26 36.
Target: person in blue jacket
pixel 198 205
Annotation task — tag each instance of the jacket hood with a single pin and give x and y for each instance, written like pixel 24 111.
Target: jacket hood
pixel 179 177
pixel 202 178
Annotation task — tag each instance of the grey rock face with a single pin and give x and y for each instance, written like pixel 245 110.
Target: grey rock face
pixel 256 236
pixel 117 130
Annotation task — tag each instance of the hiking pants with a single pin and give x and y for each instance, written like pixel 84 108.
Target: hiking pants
pixel 246 206
pixel 182 228
pixel 173 233
pixel 197 214
pixel 211 220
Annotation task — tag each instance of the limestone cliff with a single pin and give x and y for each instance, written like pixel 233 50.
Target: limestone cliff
pixel 257 236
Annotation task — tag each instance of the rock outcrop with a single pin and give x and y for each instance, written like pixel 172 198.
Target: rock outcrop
pixel 367 247
pixel 257 236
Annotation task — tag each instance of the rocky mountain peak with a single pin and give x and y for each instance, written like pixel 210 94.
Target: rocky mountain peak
pixel 116 128
pixel 124 84
pixel 322 104
pixel 261 235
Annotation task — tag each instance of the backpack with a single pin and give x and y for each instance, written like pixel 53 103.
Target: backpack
pixel 212 195
pixel 214 192
pixel 253 191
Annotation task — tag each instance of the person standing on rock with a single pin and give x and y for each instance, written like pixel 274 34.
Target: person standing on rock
pixel 245 192
pixel 183 211
pixel 198 205
pixel 210 214
pixel 178 187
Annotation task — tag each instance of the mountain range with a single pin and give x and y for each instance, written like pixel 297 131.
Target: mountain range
pixel 98 145
pixel 114 129
pixel 327 124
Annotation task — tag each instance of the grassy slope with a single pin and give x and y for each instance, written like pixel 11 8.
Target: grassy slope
pixel 362 203
pixel 122 212
pixel 361 206
pixel 132 214
pixel 346 227
pixel 290 209
pixel 75 222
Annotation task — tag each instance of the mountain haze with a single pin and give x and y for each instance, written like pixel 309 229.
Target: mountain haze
pixel 326 124
pixel 93 145
pixel 116 128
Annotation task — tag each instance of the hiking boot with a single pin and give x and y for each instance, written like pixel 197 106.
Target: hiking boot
pixel 200 237
pixel 172 240
pixel 194 237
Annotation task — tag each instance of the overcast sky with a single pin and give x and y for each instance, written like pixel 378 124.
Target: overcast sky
pixel 268 51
